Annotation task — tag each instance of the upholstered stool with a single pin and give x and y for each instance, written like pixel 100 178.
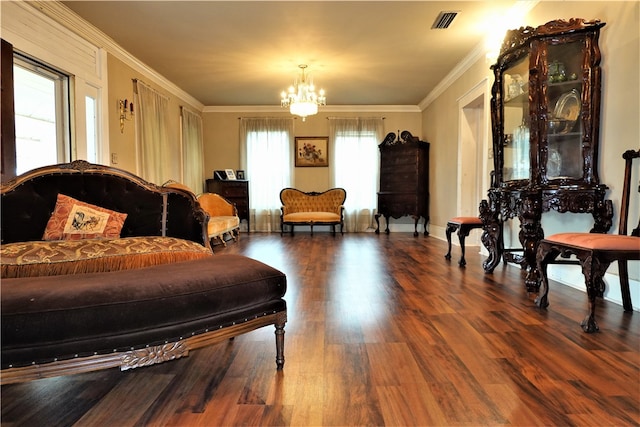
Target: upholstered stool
pixel 464 224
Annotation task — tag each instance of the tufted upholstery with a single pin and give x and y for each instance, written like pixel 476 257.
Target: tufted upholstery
pixel 312 208
pixel 28 200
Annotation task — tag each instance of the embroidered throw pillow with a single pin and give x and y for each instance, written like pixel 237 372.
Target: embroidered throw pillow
pixel 74 220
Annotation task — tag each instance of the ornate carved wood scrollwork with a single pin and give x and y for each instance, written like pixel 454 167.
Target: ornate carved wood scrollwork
pixel 152 355
pixel 539 71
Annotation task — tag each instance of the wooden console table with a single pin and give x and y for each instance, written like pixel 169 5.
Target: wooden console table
pixel 528 205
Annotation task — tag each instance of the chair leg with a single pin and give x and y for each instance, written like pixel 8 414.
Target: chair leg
pixel 623 271
pixel 593 270
pixel 450 229
pixel 545 255
pixel 461 238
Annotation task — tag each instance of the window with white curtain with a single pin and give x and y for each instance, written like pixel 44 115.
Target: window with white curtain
pixel 157 153
pixel 192 149
pixel 355 167
pixel 266 155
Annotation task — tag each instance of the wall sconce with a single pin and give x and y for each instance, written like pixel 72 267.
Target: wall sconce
pixel 125 108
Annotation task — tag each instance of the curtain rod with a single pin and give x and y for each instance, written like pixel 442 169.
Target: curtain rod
pixel 355 118
pixel 148 86
pixel 267 117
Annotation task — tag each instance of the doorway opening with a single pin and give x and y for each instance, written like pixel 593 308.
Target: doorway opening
pixel 473 139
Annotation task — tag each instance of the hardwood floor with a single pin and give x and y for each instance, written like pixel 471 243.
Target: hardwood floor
pixel 382 330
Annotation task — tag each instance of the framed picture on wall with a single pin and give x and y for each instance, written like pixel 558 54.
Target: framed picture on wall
pixel 312 151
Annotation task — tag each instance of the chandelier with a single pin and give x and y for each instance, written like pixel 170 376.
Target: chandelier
pixel 301 98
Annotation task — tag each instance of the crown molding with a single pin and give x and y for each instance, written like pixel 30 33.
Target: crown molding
pixel 324 109
pixel 461 68
pixel 70 20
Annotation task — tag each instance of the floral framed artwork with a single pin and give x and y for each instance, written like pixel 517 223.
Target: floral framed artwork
pixel 312 151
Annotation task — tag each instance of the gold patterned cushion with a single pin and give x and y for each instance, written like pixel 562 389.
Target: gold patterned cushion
pixel 51 258
pixel 73 220
pixel 222 224
pixel 308 217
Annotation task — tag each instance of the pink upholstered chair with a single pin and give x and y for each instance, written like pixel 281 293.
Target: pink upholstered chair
pixel 595 252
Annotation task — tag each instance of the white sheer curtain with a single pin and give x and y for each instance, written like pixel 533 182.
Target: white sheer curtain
pixel 355 166
pixel 266 147
pixel 157 154
pixel 192 147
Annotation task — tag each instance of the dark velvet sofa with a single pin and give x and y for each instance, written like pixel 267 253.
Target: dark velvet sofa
pixel 149 295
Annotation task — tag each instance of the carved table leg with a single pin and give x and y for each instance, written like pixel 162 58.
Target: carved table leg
pixel 602 216
pixel 377 217
pixel 416 218
pixel 491 236
pixel 530 234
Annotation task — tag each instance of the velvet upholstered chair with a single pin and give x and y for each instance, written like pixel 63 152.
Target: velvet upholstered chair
pixel 595 252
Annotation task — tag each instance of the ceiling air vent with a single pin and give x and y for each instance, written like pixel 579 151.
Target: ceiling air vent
pixel 444 20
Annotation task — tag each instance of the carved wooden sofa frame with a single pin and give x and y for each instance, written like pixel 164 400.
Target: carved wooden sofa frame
pixel 312 208
pixel 58 323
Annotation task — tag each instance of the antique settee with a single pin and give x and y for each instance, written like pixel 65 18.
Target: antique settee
pixel 78 300
pixel 312 208
pixel 223 215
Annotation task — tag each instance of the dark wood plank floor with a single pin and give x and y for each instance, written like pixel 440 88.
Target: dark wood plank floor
pixel 382 330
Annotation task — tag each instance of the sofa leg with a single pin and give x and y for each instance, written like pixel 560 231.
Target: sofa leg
pixel 279 345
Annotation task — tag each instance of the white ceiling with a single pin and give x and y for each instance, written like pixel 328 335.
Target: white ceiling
pixel 244 53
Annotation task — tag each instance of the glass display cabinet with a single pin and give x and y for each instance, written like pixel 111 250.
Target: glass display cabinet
pixel 545 112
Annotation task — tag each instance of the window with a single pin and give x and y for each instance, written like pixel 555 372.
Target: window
pixel 41 97
pixel 356 167
pixel 91 116
pixel 267 154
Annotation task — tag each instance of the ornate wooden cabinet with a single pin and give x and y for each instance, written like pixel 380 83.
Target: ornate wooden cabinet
pixel 404 179
pixel 236 191
pixel 545 111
